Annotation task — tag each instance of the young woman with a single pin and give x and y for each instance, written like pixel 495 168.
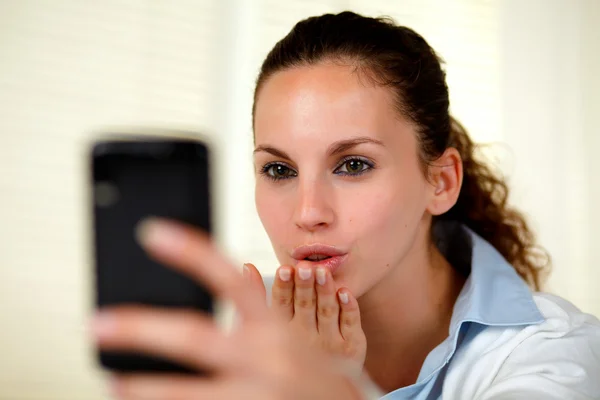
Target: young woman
pixel 399 253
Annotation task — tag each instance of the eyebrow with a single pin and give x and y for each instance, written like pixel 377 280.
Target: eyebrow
pixel 335 148
pixel 345 145
pixel 272 150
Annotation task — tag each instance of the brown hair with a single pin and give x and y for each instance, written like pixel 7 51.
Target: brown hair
pixel 396 57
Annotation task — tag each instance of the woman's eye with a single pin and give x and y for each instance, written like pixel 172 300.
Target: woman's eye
pixel 278 171
pixel 353 167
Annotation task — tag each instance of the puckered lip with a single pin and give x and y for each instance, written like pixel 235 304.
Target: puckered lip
pixel 304 251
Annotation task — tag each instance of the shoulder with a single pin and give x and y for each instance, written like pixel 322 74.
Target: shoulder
pixel 567 336
pixel 557 358
pixel 562 314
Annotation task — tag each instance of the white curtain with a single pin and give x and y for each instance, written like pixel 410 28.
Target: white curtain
pixel 521 73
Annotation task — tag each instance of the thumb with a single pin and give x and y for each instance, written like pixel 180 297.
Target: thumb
pixel 251 273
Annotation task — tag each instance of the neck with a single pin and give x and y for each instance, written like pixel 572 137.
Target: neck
pixel 407 314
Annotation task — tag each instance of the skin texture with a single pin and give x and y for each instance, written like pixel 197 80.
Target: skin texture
pixel 399 289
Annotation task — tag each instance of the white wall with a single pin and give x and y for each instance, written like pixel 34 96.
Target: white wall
pixel 550 123
pixel 591 135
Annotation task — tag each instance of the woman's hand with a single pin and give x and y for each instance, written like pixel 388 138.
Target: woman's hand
pixel 326 316
pixel 261 359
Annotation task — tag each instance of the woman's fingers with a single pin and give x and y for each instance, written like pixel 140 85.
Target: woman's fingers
pixel 282 292
pixel 350 326
pixel 186 337
pixel 305 297
pixel 192 253
pixel 328 309
pixel 252 274
pixel 153 387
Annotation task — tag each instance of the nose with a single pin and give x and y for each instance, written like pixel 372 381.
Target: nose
pixel 313 209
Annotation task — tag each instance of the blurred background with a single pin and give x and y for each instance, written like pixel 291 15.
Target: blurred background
pixel 522 74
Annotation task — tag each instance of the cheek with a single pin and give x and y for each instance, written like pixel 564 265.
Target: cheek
pixel 392 202
pixel 272 211
pixel 388 219
pixel 383 216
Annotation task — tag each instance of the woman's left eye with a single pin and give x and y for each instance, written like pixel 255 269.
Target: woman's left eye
pixel 353 166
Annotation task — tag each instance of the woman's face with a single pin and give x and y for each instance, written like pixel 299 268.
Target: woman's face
pixel 338 174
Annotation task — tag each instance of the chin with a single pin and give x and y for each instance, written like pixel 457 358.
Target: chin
pixel 354 285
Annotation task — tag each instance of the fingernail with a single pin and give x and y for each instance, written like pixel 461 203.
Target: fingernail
pixel 343 297
pixel 160 235
pixel 304 273
pixel 285 274
pixel 321 276
pixel 103 325
pixel 246 272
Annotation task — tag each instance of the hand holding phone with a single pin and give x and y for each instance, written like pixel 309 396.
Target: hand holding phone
pixel 259 359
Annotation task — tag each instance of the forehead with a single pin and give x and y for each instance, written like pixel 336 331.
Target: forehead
pixel 326 101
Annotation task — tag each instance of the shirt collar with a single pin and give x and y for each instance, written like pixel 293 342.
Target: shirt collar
pixel 493 294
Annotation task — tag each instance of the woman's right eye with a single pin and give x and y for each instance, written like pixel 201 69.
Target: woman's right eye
pixel 278 171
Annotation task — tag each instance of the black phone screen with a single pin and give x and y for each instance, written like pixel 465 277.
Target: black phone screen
pixel 132 180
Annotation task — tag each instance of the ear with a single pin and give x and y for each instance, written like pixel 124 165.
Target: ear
pixel 445 176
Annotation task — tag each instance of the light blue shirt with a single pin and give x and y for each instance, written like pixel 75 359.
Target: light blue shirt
pixel 493 295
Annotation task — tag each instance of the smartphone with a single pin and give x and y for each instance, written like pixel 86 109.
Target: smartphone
pixel 135 177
